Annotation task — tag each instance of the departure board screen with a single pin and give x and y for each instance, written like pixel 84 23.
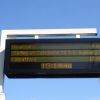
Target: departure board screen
pixel 52 58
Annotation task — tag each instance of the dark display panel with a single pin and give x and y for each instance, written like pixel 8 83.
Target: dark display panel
pixel 52 58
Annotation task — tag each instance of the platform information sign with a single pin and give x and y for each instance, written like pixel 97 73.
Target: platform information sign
pixel 52 58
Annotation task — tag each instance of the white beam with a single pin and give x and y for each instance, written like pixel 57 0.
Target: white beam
pixel 45 32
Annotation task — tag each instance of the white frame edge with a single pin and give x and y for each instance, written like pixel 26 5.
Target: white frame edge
pixel 5 34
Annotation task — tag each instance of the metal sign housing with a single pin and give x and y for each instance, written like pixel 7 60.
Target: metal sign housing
pixel 52 58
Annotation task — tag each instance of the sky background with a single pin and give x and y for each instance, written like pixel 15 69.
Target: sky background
pixel 39 14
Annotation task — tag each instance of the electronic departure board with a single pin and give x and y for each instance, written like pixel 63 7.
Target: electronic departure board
pixel 52 58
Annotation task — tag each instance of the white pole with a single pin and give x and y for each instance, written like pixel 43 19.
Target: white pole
pixel 2 51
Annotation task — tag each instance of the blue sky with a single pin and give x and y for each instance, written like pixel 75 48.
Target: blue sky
pixel 37 14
